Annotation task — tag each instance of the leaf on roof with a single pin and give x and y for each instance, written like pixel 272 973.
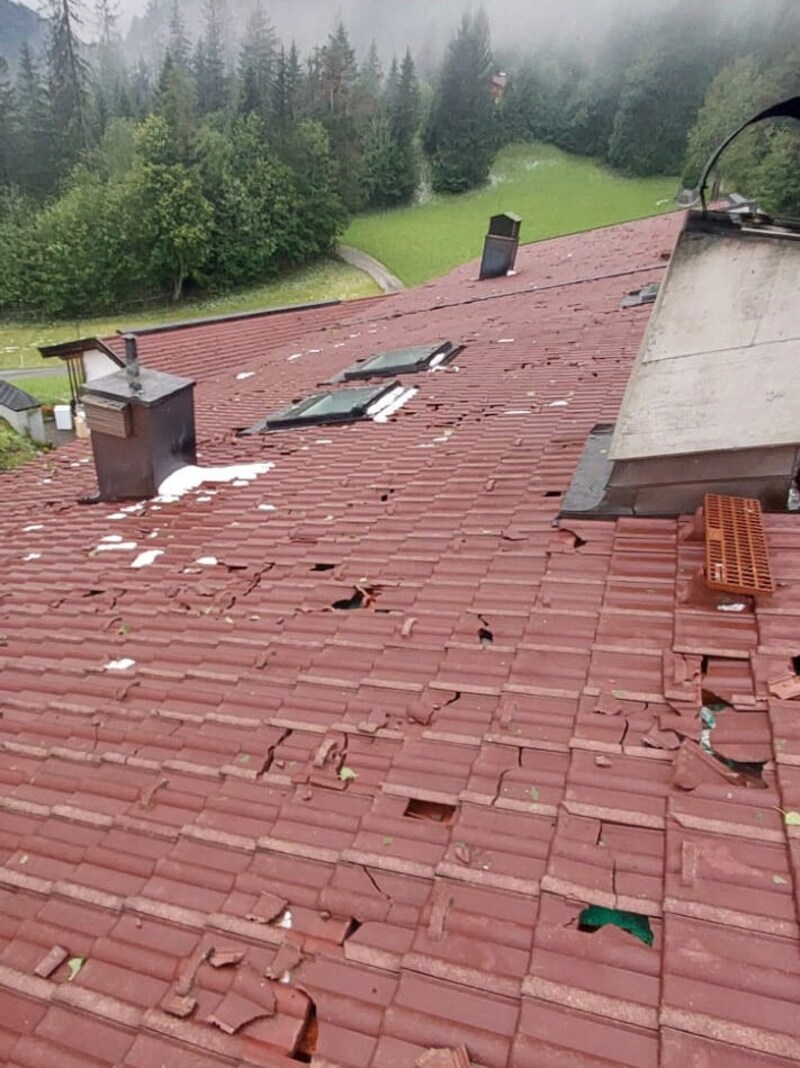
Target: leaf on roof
pixel 791 819
pixel 347 774
pixel 74 964
pixel 594 917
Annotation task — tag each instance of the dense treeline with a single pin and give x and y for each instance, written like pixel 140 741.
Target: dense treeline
pixel 221 162
pixel 223 167
pixel 664 88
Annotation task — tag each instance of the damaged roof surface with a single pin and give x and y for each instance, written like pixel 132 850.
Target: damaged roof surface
pixel 331 774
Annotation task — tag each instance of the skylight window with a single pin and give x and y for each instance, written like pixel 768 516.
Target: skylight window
pixel 341 406
pixel 646 295
pixel 404 361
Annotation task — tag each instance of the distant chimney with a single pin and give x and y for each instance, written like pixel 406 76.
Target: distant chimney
pixel 142 425
pixel 501 245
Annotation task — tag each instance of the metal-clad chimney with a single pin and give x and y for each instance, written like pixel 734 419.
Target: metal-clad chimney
pixel 132 363
pixel 501 245
pixel 142 425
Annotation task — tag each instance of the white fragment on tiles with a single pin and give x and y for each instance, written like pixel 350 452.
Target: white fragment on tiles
pixel 33 526
pixel 385 408
pixel 314 352
pixel 293 357
pixel 324 441
pixel 206 498
pixel 518 411
pixel 505 341
pixel 355 335
pixel 207 561
pixel 32 556
pixel 558 404
pixel 153 534
pixel 46 481
pixel 113 537
pixel 286 920
pixel 731 607
pixel 120 665
pixel 117 515
pixel 243 375
pixel 133 507
pixel 437 361
pixel 191 477
pixel 266 507
pixel 241 482
pixel 148 557
pixel 115 546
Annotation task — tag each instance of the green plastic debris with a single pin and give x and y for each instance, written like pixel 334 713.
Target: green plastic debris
pixel 347 775
pixel 791 819
pixel 74 964
pixel 594 917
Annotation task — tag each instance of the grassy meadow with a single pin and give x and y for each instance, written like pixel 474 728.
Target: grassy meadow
pixel 555 193
pixel 328 280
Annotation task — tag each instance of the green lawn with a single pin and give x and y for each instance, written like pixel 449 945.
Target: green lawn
pixel 53 389
pixel 555 193
pixel 327 280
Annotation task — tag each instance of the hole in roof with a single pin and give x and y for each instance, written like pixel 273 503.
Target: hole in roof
pixel 751 772
pixel 363 597
pixel 553 493
pixel 796 664
pixel 352 927
pixel 434 811
pixel 323 567
pixel 307 1046
pixel 332 406
pixel 485 636
pixel 634 923
pixel 403 361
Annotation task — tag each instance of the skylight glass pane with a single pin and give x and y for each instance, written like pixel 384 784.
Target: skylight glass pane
pixel 401 361
pixel 341 403
pixel 338 406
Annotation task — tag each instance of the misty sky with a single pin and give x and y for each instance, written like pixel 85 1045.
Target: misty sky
pixel 427 25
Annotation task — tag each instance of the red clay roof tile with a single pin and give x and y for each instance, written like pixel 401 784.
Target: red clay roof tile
pixel 523 683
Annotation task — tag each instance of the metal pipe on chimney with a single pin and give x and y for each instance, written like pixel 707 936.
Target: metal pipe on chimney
pixel 132 363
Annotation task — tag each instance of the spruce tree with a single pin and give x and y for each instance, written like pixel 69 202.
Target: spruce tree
pixel 67 76
pixel 210 60
pixel 9 126
pixel 257 64
pixel 35 161
pixel 178 45
pixel 460 137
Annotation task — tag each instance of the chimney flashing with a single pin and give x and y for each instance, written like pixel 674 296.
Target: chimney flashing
pixel 155 387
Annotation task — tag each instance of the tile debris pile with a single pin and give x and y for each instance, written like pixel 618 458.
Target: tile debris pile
pixel 389 772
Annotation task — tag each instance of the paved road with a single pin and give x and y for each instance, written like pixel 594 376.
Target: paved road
pixel 388 282
pixel 10 373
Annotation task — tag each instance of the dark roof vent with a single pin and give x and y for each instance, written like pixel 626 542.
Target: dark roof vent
pixel 342 406
pixel 403 361
pixel 501 245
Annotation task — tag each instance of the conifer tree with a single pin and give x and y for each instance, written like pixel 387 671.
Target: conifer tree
pixel 35 162
pixel 257 64
pixel 67 78
pixel 460 137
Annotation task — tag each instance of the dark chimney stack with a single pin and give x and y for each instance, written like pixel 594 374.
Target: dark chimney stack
pixel 142 425
pixel 132 364
pixel 500 246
